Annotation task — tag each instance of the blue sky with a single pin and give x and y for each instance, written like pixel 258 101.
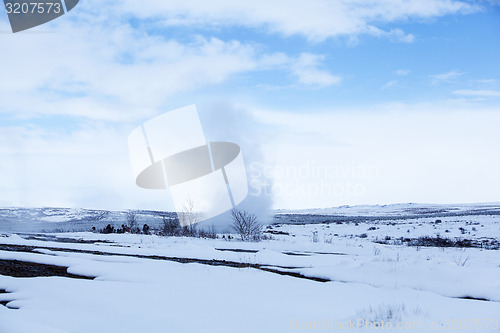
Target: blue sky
pixel 408 90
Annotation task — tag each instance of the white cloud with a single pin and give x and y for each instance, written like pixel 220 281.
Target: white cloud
pixel 402 72
pixel 486 81
pixel 118 74
pixel 398 35
pixel 416 154
pixel 478 93
pixel 102 68
pixel 97 66
pixel 88 167
pixel 315 19
pixel 305 68
pixel 447 77
pixel 390 84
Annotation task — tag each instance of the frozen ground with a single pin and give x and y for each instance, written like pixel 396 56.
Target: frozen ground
pixel 326 270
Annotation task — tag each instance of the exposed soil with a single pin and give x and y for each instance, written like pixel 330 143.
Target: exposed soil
pixel 296 254
pixel 475 298
pixel 42 237
pixel 24 269
pixel 239 250
pixel 3 291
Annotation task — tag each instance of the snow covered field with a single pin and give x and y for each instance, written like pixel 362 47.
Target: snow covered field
pixel 345 269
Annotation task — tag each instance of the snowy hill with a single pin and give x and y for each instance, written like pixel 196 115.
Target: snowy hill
pixel 70 219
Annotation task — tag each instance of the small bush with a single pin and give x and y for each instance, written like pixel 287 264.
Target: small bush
pixel 190 231
pixel 108 230
pixel 267 237
pixel 210 233
pixel 438 242
pixel 246 225
pixel 170 227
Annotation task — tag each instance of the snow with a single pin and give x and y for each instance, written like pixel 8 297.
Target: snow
pixel 151 296
pixel 394 209
pixel 369 282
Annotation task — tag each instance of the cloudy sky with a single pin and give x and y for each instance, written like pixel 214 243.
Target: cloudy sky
pixel 333 102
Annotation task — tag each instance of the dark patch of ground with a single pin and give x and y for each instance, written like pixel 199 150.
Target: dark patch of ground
pixel 427 241
pixel 333 253
pixel 409 214
pixel 296 254
pixel 475 298
pixel 239 250
pixel 6 302
pixel 24 269
pixel 3 291
pixel 276 232
pixel 308 253
pixel 213 262
pixel 52 238
pixel 294 274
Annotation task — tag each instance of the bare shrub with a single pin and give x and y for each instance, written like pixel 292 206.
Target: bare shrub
pixel 440 242
pixel 131 220
pixel 460 259
pixel 267 237
pixel 393 313
pixel 170 227
pixel 108 230
pixel 246 225
pixel 210 233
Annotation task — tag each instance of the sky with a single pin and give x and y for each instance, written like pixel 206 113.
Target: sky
pixel 333 102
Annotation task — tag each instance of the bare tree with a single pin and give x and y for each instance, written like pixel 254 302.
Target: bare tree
pixel 246 225
pixel 131 220
pixel 100 215
pixel 188 218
